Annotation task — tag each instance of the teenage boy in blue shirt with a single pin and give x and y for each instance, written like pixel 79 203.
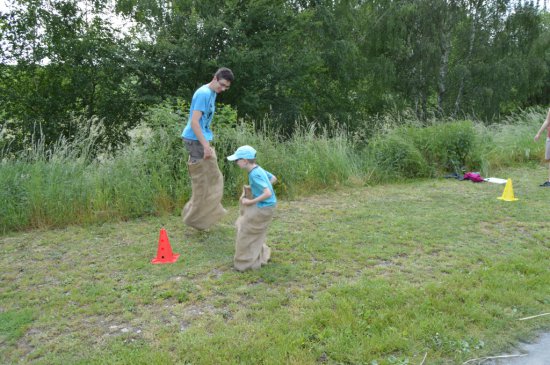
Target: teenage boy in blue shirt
pixel 197 134
pixel 204 209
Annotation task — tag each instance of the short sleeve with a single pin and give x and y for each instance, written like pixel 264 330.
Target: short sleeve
pixel 260 181
pixel 201 102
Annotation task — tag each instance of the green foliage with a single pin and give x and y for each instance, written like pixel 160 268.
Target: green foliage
pixel 313 160
pixel 230 136
pixel 69 183
pixel 395 156
pixel 59 60
pixel 417 151
pixel 511 142
pixel 344 60
pixel 447 146
pixel 12 136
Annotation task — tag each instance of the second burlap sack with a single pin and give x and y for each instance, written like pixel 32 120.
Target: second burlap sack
pixel 251 251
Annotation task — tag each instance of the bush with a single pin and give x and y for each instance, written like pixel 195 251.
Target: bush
pixel 394 156
pixel 446 146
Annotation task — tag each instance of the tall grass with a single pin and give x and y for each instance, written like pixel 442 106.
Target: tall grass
pixel 511 141
pixel 68 184
pixel 310 160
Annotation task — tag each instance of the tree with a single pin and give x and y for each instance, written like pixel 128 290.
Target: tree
pixel 60 59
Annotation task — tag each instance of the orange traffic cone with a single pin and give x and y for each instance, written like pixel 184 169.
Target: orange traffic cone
pixel 508 193
pixel 164 251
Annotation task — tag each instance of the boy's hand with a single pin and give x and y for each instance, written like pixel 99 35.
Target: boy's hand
pixel 246 201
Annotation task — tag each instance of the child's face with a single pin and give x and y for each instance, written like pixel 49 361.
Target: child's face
pixel 242 163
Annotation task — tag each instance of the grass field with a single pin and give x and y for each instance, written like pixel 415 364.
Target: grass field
pixel 388 274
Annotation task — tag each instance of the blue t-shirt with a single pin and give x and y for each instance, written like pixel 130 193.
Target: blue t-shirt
pixel 204 100
pixel 258 179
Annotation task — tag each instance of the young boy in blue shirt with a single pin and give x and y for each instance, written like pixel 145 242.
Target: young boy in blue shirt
pixel 251 251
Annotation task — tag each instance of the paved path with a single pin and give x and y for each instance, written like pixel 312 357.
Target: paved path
pixel 538 354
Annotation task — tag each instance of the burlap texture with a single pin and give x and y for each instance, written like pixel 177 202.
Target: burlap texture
pixel 204 209
pixel 251 251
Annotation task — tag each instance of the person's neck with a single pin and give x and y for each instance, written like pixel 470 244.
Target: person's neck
pixel 250 166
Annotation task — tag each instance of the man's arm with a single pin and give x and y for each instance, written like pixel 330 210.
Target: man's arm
pixel 196 127
pixel 544 126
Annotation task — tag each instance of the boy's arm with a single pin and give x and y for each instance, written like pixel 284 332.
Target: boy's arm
pixel 544 126
pixel 273 179
pixel 266 194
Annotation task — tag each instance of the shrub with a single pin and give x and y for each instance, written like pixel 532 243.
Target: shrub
pixel 395 156
pixel 446 146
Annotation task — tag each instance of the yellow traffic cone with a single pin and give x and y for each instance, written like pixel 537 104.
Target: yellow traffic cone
pixel 508 193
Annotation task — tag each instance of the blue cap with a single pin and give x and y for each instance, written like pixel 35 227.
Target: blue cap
pixel 246 152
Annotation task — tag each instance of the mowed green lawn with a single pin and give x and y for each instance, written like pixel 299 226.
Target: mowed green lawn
pixel 392 274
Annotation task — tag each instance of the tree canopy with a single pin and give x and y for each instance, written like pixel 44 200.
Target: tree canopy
pixel 318 59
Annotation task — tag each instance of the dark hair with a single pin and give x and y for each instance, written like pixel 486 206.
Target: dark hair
pixel 224 73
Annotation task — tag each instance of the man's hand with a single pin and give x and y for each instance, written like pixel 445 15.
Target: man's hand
pixel 208 152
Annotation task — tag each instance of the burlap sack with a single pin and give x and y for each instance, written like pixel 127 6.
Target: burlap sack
pixel 251 252
pixel 204 209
